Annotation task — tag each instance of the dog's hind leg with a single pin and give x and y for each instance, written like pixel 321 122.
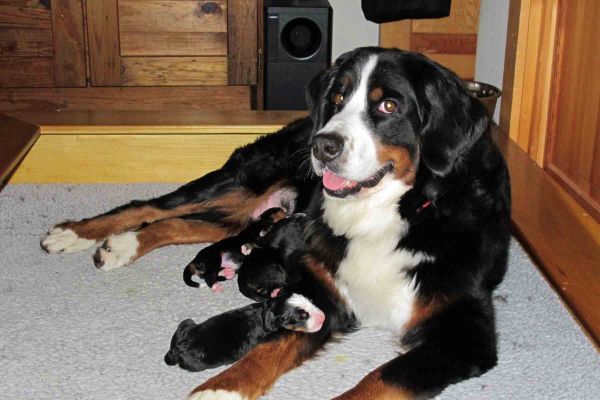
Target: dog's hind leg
pixel 249 181
pixel 72 236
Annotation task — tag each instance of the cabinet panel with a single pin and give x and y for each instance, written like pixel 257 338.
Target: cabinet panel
pixel 42 47
pixel 172 28
pixel 451 41
pixel 173 71
pixel 26 43
pixel 173 43
pixel 173 16
pixel 575 120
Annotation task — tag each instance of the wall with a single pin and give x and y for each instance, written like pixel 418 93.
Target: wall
pixel 350 28
pixel 491 44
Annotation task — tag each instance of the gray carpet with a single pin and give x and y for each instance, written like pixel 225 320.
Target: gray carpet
pixel 68 331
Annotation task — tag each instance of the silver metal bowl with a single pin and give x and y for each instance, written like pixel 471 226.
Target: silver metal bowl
pixel 486 93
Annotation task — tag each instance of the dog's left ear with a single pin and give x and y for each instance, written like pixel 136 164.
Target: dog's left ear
pixel 452 119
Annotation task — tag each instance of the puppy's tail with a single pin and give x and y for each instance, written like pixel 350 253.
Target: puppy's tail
pixel 188 272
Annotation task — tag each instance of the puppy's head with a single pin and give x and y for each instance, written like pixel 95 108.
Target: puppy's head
pixel 386 112
pixel 295 313
pixel 179 342
pixel 262 276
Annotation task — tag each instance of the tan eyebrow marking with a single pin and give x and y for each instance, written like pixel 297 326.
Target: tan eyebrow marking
pixel 376 94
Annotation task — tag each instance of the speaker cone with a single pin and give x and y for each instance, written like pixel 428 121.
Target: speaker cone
pixel 301 38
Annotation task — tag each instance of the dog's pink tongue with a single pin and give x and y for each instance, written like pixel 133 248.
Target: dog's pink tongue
pixel 335 182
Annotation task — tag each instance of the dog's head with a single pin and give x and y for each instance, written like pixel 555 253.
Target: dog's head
pixel 386 112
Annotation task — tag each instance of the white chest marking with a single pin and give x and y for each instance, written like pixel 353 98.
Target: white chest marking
pixel 372 275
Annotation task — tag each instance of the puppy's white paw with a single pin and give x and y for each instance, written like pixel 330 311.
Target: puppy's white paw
pixel 116 251
pixel 218 394
pixel 64 240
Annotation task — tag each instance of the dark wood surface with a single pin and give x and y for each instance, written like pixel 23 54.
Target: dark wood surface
pixel 232 98
pixel 242 37
pixel 559 235
pixel 68 34
pixel 103 36
pixel 16 138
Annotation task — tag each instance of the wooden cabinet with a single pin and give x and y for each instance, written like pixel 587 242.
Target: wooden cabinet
pixel 162 54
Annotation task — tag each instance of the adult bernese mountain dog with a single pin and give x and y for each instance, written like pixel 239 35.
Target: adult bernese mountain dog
pixel 409 205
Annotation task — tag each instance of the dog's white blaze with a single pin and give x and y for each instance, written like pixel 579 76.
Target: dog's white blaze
pixel 359 147
pixel 297 300
pixel 218 394
pixel 123 248
pixel 372 275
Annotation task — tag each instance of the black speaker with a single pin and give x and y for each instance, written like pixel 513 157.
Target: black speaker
pixel 297 46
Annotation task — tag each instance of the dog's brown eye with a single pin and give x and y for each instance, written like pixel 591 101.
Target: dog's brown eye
pixel 338 99
pixel 387 107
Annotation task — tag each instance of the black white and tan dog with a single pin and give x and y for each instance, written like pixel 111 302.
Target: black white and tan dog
pixel 220 261
pixel 225 338
pixel 409 203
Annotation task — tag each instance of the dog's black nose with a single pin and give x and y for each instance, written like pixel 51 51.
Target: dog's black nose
pixel 328 146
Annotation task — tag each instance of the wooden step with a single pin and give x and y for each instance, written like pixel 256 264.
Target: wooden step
pixel 141 146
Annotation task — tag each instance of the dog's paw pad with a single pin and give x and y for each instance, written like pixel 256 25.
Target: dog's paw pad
pixel 218 394
pixel 64 240
pixel 227 273
pixel 116 251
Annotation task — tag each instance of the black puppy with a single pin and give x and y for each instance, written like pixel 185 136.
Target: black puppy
pixel 225 338
pixel 219 261
pixel 273 266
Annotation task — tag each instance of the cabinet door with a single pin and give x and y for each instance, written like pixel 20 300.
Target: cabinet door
pixel 163 42
pixel 42 43
pixel 451 41
pixel 573 156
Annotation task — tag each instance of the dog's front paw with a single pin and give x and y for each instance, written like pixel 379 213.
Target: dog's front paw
pixel 218 394
pixel 64 240
pixel 117 251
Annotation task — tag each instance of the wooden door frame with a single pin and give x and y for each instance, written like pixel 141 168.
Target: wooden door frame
pixel 529 67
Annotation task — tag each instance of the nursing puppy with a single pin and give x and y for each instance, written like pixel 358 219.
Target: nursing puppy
pixel 225 338
pixel 274 266
pixel 220 261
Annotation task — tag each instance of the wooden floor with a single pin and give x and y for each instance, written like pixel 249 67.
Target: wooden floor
pixel 176 147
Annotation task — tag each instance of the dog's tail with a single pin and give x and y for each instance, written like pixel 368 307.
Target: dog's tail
pixel 188 272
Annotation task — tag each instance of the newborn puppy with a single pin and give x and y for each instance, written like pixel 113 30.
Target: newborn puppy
pixel 220 260
pixel 272 266
pixel 225 338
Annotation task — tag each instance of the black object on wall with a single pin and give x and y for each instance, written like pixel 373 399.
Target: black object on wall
pixel 297 47
pixel 380 11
